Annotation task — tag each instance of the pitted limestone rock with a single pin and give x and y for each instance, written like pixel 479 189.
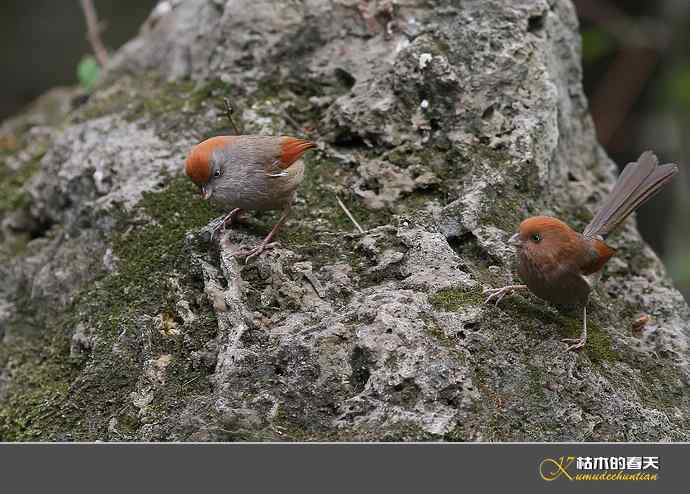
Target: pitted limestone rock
pixel 441 125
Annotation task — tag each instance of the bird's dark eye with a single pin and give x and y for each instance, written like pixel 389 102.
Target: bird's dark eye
pixel 217 173
pixel 535 237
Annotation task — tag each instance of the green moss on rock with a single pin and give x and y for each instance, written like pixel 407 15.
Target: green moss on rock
pixel 12 194
pixel 453 299
pixel 150 254
pixel 568 324
pixel 39 386
pixel 150 98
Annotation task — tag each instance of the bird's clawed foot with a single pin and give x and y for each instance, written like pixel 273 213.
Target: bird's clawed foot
pixel 218 228
pixel 497 294
pixel 577 343
pixel 250 254
pixel 267 243
pixel 225 222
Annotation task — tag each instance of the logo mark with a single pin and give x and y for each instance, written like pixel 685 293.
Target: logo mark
pixel 551 469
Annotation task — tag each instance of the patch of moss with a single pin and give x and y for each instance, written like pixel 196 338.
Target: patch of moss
pixel 453 299
pixel 322 176
pixel 149 97
pixel 438 334
pixel 286 101
pixel 599 347
pixel 534 381
pixel 297 236
pixel 212 89
pixel 105 101
pixel 488 156
pixel 436 44
pixel 12 194
pixel 280 88
pixel 36 392
pixel 449 343
pixel 169 98
pixel 157 246
pixel 149 254
pixel 660 379
pixel 85 395
pixel 505 212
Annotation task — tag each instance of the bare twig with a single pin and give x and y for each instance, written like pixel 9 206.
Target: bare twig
pixel 349 215
pixel 94 32
pixel 229 110
pixel 190 381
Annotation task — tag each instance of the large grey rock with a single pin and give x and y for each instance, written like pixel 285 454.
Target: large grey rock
pixel 441 125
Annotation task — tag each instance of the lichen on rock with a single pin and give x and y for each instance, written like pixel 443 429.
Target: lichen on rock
pixel 439 126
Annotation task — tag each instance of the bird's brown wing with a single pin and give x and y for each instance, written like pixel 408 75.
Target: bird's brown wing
pixel 597 255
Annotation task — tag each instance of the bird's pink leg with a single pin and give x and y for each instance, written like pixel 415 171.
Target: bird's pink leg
pixel 226 222
pixel 578 343
pixel 499 293
pixel 266 242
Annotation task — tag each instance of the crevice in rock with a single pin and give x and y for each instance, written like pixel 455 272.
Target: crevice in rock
pixel 344 77
pixel 359 362
pixel 536 23
pixel 466 245
pixel 488 112
pixel 345 138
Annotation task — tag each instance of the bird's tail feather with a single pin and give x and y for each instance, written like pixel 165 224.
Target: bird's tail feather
pixel 638 182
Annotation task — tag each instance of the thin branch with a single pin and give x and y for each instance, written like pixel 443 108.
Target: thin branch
pixel 229 110
pixel 349 215
pixel 94 32
pixel 190 381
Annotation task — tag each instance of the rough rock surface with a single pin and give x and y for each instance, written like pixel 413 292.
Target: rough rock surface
pixel 440 124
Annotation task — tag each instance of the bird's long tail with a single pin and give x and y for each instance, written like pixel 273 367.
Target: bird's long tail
pixel 638 182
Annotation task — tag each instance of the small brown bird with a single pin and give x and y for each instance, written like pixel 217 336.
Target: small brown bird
pixel 560 265
pixel 249 172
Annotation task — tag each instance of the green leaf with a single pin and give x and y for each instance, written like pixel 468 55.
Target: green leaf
pixel 88 72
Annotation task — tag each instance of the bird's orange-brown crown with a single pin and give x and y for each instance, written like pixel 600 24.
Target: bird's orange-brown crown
pixel 541 224
pixel 198 165
pixel 292 149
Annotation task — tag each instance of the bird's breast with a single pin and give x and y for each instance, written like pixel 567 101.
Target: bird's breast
pixel 554 282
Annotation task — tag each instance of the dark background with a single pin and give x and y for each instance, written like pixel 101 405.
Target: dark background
pixel 42 41
pixel 636 67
